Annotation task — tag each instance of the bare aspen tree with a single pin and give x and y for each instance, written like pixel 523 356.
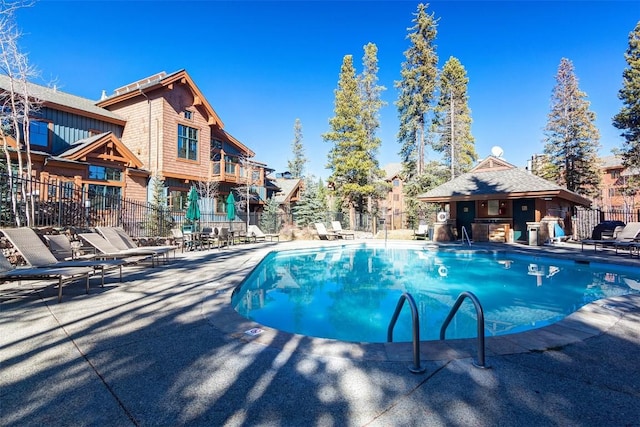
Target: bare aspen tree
pixel 244 192
pixel 17 106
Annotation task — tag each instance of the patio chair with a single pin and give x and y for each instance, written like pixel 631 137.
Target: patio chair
pixel 256 234
pixel 559 235
pixel 323 234
pixel 208 237
pixel 422 233
pixel 37 254
pixel 625 238
pixel 107 250
pixel 345 234
pixel 226 236
pixel 121 240
pixel 184 240
pixel 11 273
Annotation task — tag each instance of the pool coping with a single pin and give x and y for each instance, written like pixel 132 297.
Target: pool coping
pixel 591 320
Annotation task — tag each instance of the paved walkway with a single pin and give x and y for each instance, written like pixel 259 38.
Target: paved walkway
pixel 164 348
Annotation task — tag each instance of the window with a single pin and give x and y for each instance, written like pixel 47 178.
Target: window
pixel 102 173
pixel 615 174
pixel 494 207
pixel 187 142
pixel 177 200
pixel 104 196
pixel 396 197
pixel 230 165
pixel 396 182
pixel 188 114
pixel 39 133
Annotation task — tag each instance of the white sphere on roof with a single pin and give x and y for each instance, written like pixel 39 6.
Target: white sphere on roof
pixel 497 151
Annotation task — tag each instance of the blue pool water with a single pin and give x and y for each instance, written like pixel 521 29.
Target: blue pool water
pixel 350 293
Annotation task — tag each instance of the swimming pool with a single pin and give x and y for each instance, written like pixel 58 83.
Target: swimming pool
pixel 349 293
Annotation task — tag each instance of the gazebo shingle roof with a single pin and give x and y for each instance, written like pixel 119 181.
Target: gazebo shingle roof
pixel 502 182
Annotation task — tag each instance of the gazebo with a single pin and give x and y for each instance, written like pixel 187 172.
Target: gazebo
pixel 498 202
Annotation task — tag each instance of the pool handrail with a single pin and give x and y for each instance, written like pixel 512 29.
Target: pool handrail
pixel 465 235
pixel 480 363
pixel 415 318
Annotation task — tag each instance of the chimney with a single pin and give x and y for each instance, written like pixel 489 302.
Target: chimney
pixel 104 95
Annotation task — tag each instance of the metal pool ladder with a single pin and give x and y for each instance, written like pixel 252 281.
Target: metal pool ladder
pixel 480 313
pixel 416 368
pixel 465 235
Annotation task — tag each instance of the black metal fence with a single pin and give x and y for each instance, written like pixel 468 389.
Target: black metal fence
pixel 63 203
pixel 60 203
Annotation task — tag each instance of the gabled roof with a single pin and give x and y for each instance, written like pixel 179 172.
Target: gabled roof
pixel 392 170
pixel 287 187
pixel 162 80
pixel 496 178
pixel 223 135
pixel 57 100
pixel 105 146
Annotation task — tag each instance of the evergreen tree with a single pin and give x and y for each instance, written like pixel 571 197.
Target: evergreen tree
pixel 435 174
pixel 416 90
pixel 350 159
pixel 269 217
pixel 297 164
pixel 312 204
pixel 160 220
pixel 571 137
pixel 628 119
pixel 370 93
pixel 453 119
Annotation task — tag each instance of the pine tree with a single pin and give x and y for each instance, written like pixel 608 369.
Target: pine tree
pixel 297 164
pixel 349 159
pixel 628 119
pixel 160 220
pixel 269 217
pixel 370 93
pixel 571 137
pixel 312 205
pixel 416 90
pixel 453 119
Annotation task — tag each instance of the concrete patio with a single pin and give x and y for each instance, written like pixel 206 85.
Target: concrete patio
pixel 164 348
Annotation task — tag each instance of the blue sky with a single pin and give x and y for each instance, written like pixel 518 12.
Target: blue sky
pixel 262 64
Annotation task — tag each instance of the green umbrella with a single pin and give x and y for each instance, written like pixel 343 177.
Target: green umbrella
pixel 231 207
pixel 193 209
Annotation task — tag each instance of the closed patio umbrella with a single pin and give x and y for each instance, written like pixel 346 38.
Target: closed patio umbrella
pixel 231 208
pixel 193 209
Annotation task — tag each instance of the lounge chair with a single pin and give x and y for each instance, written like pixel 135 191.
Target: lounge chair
pixel 11 273
pixel 61 247
pixel 121 240
pixel 336 227
pixel 37 254
pixel 256 234
pixel 107 250
pixel 559 235
pixel 422 233
pixel 625 238
pixel 323 234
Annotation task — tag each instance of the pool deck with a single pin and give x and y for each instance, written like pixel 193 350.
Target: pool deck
pixel 164 348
